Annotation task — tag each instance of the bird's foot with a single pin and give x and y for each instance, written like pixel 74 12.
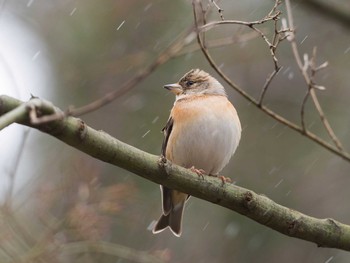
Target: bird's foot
pixel 162 161
pixel 223 178
pixel 199 172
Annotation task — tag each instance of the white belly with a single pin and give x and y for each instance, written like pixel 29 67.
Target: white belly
pixel 208 143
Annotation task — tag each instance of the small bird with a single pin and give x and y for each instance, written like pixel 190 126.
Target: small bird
pixel 202 133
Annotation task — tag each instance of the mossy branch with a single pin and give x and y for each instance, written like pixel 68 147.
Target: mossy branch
pixel 98 144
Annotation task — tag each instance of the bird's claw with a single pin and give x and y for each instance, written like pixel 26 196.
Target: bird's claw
pixel 162 161
pixel 199 172
pixel 223 178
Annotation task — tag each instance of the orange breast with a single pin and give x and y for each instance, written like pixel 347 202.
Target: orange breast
pixel 197 122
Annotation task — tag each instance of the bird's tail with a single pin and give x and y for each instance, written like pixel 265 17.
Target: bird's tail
pixel 173 220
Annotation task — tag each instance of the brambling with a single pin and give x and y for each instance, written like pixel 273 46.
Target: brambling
pixel 202 133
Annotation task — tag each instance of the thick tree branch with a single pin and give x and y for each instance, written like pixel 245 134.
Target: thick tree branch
pixel 98 144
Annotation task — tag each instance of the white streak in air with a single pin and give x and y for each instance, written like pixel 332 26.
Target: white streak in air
pixel 155 120
pixel 147 132
pixel 73 11
pixel 205 227
pixel 286 70
pixel 302 41
pixel 273 169
pixel 330 259
pixel 147 7
pixel 279 183
pixel 121 24
pixel 311 124
pixel 308 169
pixel 273 126
pixel 30 2
pixel 267 210
pixel 36 55
pixel 347 50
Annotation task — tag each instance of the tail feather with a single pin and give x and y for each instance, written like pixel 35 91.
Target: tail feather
pixel 173 220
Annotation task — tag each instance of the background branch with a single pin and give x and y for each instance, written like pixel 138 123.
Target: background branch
pixel 308 79
pixel 74 132
pixel 200 30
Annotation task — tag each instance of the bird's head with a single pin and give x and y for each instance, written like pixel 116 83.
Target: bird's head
pixel 196 82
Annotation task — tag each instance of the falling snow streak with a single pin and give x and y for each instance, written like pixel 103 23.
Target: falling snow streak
pixel 144 135
pixel 73 11
pixel 121 24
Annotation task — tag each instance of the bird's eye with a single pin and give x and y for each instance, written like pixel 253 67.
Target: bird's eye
pixel 189 83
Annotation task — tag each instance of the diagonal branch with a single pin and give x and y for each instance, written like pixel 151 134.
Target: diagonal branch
pixel 100 145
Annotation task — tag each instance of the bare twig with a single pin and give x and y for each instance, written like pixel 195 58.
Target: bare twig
pixel 211 25
pixel 266 110
pixel 267 84
pixel 302 110
pixel 220 10
pixel 311 86
pixel 278 36
pixel 272 47
pixel 274 8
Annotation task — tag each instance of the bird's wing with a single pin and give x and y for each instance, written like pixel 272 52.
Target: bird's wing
pixel 166 131
pixel 166 192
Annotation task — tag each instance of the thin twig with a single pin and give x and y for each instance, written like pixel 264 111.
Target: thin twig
pixel 302 111
pixel 274 8
pixel 211 25
pixel 272 47
pixel 267 84
pixel 278 36
pixel 265 109
pixel 220 10
pixel 308 80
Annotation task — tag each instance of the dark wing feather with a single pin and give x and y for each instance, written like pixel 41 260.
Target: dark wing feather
pixel 166 192
pixel 166 131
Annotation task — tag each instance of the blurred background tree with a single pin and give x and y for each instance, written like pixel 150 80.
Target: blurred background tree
pixel 72 52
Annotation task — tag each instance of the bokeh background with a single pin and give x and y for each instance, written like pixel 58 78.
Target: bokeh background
pixel 72 52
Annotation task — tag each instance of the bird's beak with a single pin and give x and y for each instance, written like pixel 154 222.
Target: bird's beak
pixel 174 88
